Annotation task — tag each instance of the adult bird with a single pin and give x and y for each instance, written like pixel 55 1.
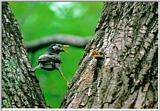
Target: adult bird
pixel 51 60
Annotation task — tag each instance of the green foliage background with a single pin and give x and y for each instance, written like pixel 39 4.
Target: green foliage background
pixel 40 19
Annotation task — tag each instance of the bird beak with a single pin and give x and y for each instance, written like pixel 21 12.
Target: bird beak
pixel 65 46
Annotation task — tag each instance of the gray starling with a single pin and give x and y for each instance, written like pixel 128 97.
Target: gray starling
pixel 51 60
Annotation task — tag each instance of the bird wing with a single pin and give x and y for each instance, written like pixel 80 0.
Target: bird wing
pixel 49 58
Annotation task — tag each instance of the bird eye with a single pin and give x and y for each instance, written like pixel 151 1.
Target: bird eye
pixel 59 45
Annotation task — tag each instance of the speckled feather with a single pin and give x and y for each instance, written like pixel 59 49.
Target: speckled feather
pixel 49 58
pixel 49 62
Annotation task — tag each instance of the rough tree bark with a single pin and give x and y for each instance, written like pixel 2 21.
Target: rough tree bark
pixel 126 76
pixel 20 88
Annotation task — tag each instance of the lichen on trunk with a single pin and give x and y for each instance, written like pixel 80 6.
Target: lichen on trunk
pixel 20 87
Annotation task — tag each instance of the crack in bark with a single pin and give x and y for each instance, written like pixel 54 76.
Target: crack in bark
pixel 126 36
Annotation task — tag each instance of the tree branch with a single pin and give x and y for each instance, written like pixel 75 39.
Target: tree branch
pixel 74 41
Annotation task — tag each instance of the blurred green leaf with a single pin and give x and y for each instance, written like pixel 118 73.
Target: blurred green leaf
pixel 40 19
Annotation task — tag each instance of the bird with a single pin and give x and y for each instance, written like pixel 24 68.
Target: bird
pixel 51 60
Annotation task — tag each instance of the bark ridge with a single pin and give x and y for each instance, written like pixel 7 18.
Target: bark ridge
pixel 20 87
pixel 126 76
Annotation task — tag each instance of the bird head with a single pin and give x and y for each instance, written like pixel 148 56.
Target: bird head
pixel 57 48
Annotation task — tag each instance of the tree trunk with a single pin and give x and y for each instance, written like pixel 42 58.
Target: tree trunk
pixel 126 76
pixel 20 87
